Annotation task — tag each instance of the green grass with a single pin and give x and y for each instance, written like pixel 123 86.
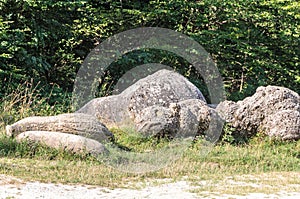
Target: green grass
pixel 37 162
pixel 130 140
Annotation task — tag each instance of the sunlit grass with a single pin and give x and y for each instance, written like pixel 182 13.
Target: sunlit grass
pixel 37 162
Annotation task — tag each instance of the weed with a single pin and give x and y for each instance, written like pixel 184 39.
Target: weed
pixel 27 101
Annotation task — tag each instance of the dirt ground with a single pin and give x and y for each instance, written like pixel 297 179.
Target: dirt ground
pixel 11 187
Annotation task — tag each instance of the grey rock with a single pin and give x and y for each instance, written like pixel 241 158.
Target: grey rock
pixel 194 117
pixel 259 112
pixel 284 124
pixel 161 89
pixel 73 123
pixel 187 118
pixel 111 110
pixel 158 120
pixel 58 140
pixel 226 110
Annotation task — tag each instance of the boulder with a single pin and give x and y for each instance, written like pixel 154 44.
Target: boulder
pixel 158 121
pixel 273 110
pixel 73 123
pixel 187 118
pixel 194 117
pixel 58 140
pixel 159 89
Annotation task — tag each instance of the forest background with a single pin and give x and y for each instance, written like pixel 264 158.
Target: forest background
pixel 44 43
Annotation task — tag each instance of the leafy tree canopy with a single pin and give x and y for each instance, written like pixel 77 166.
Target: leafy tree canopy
pixel 253 42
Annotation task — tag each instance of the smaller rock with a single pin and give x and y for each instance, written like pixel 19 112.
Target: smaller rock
pixel 158 121
pixel 194 117
pixel 187 118
pixel 272 110
pixel 73 123
pixel 73 143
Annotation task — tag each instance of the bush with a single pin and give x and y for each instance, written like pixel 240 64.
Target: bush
pixel 254 43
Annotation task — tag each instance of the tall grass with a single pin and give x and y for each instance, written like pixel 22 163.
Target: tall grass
pixel 27 100
pixel 37 162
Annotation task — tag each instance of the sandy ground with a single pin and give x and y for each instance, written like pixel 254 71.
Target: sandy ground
pixel 11 187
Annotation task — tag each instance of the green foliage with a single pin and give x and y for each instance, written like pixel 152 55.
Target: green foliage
pixel 232 136
pixel 228 135
pixel 36 42
pixel 254 43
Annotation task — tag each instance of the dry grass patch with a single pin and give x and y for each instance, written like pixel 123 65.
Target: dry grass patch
pixel 265 183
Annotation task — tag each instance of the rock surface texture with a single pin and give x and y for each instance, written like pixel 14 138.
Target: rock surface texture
pixel 74 123
pixel 272 110
pixel 158 120
pixel 159 89
pixel 69 142
pixel 187 118
pixel 194 117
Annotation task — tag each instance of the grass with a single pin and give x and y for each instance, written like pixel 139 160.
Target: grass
pixel 252 162
pixel 27 101
pixel 37 162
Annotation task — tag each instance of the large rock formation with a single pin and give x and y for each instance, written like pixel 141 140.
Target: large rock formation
pixel 272 110
pixel 157 105
pixel 164 104
pixel 159 89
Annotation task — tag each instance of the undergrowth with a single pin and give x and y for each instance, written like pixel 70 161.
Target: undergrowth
pixel 27 101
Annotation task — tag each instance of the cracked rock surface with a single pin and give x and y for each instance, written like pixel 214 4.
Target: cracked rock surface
pixel 272 110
